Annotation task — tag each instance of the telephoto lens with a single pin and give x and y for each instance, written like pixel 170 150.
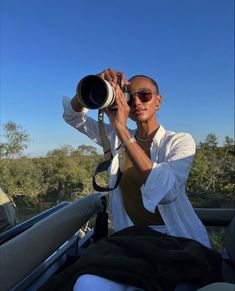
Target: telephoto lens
pixel 96 93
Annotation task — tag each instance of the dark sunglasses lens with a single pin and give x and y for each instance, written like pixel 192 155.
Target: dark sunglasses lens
pixel 129 98
pixel 145 96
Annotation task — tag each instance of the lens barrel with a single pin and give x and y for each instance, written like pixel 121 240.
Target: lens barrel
pixel 95 93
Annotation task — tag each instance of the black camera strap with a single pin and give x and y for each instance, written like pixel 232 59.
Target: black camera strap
pixel 104 139
pixel 104 165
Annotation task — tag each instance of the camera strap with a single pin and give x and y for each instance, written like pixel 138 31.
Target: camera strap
pixel 104 165
pixel 104 139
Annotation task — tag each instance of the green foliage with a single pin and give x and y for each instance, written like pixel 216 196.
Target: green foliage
pixel 211 179
pixel 64 151
pixel 85 150
pixel 20 177
pixel 198 175
pixel 16 140
pixel 217 238
pixel 65 173
pixel 211 141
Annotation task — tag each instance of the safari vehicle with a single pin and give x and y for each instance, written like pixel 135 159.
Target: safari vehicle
pixel 33 251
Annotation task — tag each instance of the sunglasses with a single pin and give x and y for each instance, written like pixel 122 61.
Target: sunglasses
pixel 143 95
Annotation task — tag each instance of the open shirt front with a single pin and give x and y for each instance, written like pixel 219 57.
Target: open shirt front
pixel 172 155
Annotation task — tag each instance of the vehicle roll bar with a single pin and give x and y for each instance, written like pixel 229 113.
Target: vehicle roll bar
pixel 23 253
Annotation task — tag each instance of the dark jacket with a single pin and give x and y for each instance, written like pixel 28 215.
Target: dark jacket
pixel 142 257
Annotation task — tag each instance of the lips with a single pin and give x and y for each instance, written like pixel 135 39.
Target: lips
pixel 138 111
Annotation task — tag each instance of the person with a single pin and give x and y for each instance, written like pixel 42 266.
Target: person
pixel 7 212
pixel 155 165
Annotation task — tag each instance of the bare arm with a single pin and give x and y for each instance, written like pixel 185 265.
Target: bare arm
pixel 76 105
pixel 119 120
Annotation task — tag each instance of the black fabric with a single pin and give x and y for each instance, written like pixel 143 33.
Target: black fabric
pixel 101 226
pixel 144 258
pixel 103 166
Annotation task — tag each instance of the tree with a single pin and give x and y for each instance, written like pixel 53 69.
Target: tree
pixel 1 150
pixel 211 141
pixel 63 151
pixel 213 167
pixel 16 140
pixel 210 151
pixel 86 150
pixel 21 177
pixel 229 142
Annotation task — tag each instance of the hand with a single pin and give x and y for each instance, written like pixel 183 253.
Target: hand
pixel 118 118
pixel 112 75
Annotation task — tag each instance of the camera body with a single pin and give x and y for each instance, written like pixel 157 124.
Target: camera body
pixel 96 93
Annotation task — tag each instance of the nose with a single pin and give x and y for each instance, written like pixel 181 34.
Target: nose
pixel 135 100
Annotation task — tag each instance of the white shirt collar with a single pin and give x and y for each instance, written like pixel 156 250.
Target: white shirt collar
pixel 159 135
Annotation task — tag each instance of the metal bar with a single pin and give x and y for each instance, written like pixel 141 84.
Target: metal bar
pixel 23 253
pixel 16 230
pixel 215 216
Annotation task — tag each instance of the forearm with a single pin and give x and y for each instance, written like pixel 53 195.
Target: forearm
pixel 76 105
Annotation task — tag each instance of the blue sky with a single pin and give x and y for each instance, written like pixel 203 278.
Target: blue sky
pixel 47 46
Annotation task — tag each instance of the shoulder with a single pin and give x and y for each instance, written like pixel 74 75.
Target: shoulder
pixel 181 136
pixel 176 139
pixel 3 197
pixel 168 135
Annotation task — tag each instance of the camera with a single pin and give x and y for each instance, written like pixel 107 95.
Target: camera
pixel 96 93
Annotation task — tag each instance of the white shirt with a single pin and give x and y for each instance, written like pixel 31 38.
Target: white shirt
pixel 172 155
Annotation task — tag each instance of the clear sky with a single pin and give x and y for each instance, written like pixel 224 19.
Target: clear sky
pixel 47 46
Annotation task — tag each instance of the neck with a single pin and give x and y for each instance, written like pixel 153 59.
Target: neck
pixel 144 133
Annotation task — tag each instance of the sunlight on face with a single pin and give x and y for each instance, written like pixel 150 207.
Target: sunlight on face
pixel 141 110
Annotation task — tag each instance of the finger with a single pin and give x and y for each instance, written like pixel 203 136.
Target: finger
pixel 126 83
pixel 114 85
pixel 114 76
pixel 120 97
pixel 118 77
pixel 101 75
pixel 123 79
pixel 108 75
pixel 105 75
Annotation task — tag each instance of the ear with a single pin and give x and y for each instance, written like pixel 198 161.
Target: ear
pixel 158 101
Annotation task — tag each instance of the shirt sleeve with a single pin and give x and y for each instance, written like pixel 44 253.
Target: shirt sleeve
pixel 167 179
pixel 80 121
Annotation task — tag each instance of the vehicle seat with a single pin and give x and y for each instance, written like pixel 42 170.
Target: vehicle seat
pixel 229 264
pixel 230 240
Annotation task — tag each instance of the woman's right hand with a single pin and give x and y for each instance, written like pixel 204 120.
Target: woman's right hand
pixel 115 76
pixel 110 75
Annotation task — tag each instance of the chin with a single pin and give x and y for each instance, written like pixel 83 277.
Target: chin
pixel 138 118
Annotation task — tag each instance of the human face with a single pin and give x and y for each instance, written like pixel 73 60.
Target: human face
pixel 143 109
